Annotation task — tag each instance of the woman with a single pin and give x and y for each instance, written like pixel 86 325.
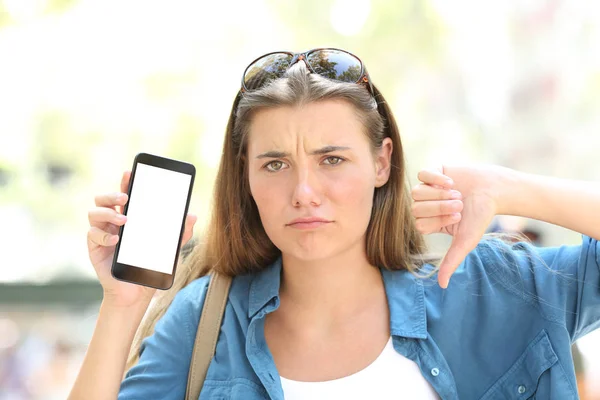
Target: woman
pixel 333 293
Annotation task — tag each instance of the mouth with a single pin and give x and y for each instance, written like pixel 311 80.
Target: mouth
pixel 308 223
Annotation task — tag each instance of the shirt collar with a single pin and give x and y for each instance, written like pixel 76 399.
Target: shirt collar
pixel 406 300
pixel 264 287
pixel 404 291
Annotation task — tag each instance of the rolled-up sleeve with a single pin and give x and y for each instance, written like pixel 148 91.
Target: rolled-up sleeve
pixel 162 370
pixel 562 282
pixel 587 302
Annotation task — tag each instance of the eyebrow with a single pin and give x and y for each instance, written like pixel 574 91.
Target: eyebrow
pixel 323 150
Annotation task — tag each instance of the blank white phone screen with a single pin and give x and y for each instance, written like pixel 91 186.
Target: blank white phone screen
pixel 155 212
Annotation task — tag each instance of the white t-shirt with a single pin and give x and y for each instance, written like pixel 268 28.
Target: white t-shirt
pixel 390 376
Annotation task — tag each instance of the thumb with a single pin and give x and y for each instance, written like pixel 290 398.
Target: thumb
pixel 458 251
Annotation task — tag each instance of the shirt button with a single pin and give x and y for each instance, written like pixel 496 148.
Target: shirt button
pixel 521 389
pixel 435 372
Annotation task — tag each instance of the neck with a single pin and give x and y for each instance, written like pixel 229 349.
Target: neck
pixel 326 293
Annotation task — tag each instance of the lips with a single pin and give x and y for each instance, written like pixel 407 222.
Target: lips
pixel 308 220
pixel 308 223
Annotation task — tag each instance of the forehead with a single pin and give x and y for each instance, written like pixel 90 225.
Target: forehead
pixel 324 122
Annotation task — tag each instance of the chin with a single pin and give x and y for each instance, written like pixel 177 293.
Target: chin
pixel 308 253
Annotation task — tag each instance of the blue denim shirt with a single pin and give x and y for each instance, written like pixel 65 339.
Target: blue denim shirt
pixel 502 330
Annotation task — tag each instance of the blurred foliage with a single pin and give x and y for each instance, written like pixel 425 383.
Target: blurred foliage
pixel 399 32
pixel 185 139
pixel 60 5
pixel 167 85
pixel 60 153
pixel 50 6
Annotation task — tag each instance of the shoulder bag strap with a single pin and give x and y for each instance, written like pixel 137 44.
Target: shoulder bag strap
pixel 208 333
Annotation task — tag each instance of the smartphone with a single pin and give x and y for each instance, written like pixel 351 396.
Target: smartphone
pixel 149 243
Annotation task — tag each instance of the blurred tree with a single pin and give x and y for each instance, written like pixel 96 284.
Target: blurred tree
pixel 50 6
pixel 394 33
pixel 5 176
pixel 60 5
pixel 266 69
pixel 5 18
pixel 322 65
pixel 184 141
pixel 59 153
pixel 351 74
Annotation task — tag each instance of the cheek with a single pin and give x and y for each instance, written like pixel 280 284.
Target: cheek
pixel 267 197
pixel 352 191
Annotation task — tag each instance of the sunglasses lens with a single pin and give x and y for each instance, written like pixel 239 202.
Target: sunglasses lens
pixel 335 64
pixel 265 69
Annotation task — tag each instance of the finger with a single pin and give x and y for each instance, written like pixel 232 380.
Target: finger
pixel 191 220
pixel 100 216
pixel 427 209
pixel 101 238
pixel 435 177
pixel 434 224
pixel 125 181
pixel 111 200
pixel 188 233
pixel 458 251
pixel 427 192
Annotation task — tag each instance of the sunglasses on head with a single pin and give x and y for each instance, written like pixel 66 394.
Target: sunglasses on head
pixel 335 64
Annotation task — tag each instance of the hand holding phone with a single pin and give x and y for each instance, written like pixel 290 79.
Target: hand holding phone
pixel 103 236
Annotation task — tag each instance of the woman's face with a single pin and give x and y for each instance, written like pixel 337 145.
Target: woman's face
pixel 314 161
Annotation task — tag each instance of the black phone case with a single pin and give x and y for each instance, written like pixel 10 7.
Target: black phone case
pixel 142 276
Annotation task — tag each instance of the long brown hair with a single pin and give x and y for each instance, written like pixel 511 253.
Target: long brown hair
pixel 235 242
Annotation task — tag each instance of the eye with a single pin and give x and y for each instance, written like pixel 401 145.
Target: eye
pixel 333 160
pixel 274 166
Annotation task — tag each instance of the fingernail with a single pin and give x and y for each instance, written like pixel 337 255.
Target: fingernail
pixel 455 195
pixel 449 182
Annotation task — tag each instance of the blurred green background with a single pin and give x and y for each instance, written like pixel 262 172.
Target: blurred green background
pixel 86 85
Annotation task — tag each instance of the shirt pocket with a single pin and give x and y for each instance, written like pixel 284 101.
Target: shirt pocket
pixel 523 377
pixel 234 389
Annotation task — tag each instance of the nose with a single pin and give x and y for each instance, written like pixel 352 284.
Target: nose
pixel 307 189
